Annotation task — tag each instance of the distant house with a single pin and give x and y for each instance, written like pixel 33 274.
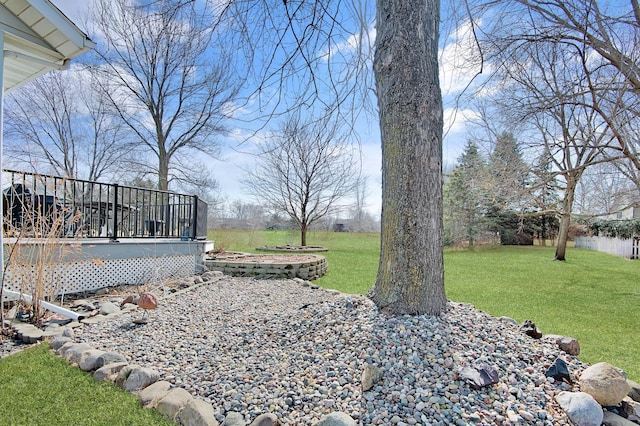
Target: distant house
pixel 340 227
pixel 631 212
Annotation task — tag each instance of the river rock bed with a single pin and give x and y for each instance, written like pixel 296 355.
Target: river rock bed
pixel 281 346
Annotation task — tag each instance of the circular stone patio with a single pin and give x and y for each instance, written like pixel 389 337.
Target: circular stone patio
pixel 305 266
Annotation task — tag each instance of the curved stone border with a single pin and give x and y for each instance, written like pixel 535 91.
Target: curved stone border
pixel 172 402
pixel 248 265
pixel 293 249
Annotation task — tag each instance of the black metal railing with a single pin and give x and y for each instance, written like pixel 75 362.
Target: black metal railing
pixel 36 205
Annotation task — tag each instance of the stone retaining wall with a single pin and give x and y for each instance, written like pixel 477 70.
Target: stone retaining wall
pixel 309 269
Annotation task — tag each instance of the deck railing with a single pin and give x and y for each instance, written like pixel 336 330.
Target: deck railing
pixel 37 205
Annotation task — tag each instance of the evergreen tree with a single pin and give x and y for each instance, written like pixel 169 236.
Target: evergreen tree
pixel 508 173
pixel 466 194
pixel 508 197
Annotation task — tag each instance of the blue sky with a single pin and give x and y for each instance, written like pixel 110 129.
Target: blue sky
pixel 228 171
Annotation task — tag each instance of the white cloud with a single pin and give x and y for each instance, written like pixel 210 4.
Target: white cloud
pixel 362 41
pixel 455 119
pixel 458 60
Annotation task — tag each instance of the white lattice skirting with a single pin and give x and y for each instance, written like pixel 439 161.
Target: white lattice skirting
pixel 78 277
pixel 103 266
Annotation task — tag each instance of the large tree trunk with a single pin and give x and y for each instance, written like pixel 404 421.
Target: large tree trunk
pixel 163 171
pixel 411 273
pixel 565 218
pixel 303 235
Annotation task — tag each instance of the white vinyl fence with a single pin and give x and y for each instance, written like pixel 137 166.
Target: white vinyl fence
pixel 626 248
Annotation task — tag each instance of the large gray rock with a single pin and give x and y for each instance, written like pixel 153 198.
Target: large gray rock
pixel 72 354
pixel 109 358
pixel 234 419
pixel 123 375
pixel 581 408
pixel 266 419
pixel 64 348
pixel 174 401
pixel 59 340
pixel 605 383
pixel 370 376
pixel 107 308
pixel 631 409
pixel 612 419
pixel 634 393
pixel 197 413
pixel 89 359
pixel 150 395
pixel 109 372
pixel 336 418
pixel 140 378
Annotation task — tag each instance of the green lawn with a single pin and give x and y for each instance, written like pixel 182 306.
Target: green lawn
pixel 592 296
pixel 39 388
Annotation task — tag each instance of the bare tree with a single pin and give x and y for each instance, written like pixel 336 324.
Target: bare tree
pixel 167 78
pixel 604 191
pixel 361 219
pixel 607 34
pixel 59 123
pixel 303 171
pixel 549 93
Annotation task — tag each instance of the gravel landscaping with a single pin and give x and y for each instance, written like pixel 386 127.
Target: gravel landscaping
pixel 253 346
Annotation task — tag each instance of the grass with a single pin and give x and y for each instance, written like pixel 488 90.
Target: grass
pixel 592 296
pixel 39 388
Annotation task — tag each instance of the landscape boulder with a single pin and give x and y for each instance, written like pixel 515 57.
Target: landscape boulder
pixel 139 378
pixel 197 413
pixel 74 352
pixel 109 372
pixel 605 383
pixel 59 340
pixel 109 358
pixel 266 419
pixel 107 308
pixel 148 301
pixel 172 402
pixel 234 419
pixel 336 418
pixel 612 419
pixel 150 395
pixel 634 393
pixel 88 359
pixel 581 408
pixel 631 409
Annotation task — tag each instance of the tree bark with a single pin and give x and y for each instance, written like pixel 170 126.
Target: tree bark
pixel 411 272
pixel 303 236
pixel 565 218
pixel 163 169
